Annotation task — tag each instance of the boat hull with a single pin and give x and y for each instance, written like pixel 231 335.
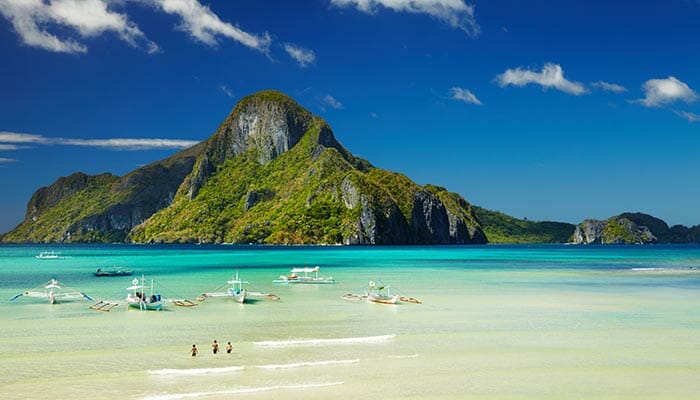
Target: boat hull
pixel 311 281
pixel 157 306
pixel 238 296
pixel 383 299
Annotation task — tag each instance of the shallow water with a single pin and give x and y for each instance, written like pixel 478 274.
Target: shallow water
pixel 501 322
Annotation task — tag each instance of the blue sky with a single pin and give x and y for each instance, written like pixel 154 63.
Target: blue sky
pixel 550 110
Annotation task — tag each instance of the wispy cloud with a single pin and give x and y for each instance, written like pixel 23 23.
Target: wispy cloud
pixel 205 26
pixel 304 57
pixel 455 13
pixel 31 19
pixel 374 115
pixel 609 87
pixel 691 117
pixel 10 147
pixel 332 102
pixel 226 90
pixel 13 138
pixel 659 92
pixel 7 160
pixel 551 76
pixel 465 95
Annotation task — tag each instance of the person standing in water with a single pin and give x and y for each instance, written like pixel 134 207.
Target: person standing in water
pixel 229 347
pixel 193 350
pixel 215 347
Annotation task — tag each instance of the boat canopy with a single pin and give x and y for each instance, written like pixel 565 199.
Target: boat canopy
pixel 297 270
pixel 52 285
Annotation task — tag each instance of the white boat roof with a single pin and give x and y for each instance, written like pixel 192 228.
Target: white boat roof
pixel 53 284
pixel 135 287
pixel 306 269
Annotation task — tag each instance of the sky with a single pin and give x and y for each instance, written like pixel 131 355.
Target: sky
pixel 547 110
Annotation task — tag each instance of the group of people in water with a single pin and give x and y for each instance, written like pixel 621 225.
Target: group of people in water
pixel 214 348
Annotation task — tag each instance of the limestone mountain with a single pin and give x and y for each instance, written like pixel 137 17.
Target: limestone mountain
pixel 271 173
pixel 633 228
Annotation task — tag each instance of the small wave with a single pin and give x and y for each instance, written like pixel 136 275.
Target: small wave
pixel 177 396
pixel 648 269
pixel 194 371
pixel 324 342
pixel 307 364
pixel 405 356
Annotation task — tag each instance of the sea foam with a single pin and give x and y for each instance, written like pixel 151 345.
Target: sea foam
pixel 307 364
pixel 325 342
pixel 177 396
pixel 405 356
pixel 194 371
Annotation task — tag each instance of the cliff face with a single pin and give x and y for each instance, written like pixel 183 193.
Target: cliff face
pixel 271 173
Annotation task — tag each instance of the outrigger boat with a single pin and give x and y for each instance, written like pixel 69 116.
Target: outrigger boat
pixel 306 276
pixel 137 297
pixel 49 255
pixel 53 292
pixel 379 293
pixel 237 291
pixel 113 271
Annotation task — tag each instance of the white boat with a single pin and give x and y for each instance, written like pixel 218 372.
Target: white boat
pixel 53 291
pixel 237 291
pixel 49 255
pixel 304 275
pixel 138 298
pixel 379 293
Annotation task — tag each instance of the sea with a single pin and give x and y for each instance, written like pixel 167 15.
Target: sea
pixel 494 322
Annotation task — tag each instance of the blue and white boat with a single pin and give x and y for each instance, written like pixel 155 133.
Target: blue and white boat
pixel 142 296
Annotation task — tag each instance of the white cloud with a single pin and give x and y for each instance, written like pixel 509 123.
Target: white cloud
pixel 89 18
pixel 455 13
pixel 691 117
pixel 658 92
pixel 114 143
pixel 203 25
pixel 13 137
pixel 551 76
pixel 609 87
pixel 464 95
pixel 331 102
pixel 304 57
pixel 226 90
pixel 374 115
pixel 10 147
pixel 7 160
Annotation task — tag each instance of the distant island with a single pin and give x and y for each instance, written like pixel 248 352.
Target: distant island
pixel 273 173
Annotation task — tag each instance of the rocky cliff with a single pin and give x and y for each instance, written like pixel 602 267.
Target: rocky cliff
pixel 271 173
pixel 633 228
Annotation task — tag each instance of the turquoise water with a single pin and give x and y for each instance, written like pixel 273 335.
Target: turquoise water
pixel 501 322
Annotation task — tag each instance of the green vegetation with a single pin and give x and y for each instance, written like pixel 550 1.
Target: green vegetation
pixel 620 231
pixel 75 197
pixel 502 228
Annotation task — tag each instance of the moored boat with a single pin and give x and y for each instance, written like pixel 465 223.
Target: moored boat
pixel 237 291
pixel 53 291
pixel 49 255
pixel 304 275
pixel 138 298
pixel 113 271
pixel 380 293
